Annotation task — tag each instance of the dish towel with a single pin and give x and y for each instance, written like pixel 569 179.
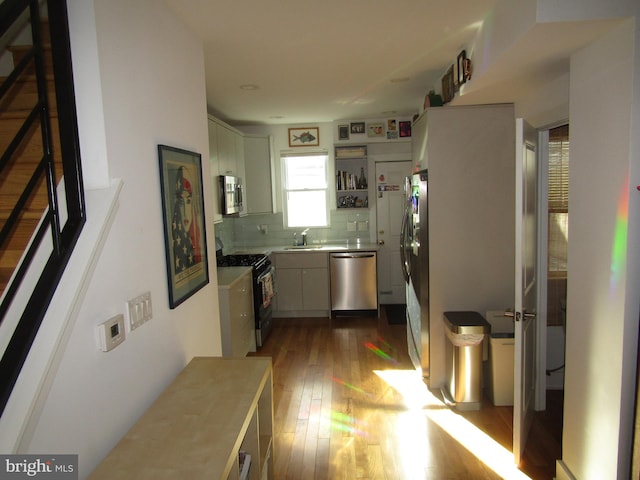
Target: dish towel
pixel 266 281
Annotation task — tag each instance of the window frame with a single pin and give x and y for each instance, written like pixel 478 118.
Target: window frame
pixel 284 157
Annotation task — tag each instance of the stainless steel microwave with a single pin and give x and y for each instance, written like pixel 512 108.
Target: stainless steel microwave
pixel 231 195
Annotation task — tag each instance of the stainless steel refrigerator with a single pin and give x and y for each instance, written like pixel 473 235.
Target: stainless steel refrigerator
pixel 458 237
pixel 415 265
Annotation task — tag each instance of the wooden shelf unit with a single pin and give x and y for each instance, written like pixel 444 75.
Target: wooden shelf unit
pixel 352 177
pixel 214 409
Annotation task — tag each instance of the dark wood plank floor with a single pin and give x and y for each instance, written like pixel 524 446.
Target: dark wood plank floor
pixel 336 418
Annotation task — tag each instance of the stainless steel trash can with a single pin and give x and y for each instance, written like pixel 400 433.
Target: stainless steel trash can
pixel 463 358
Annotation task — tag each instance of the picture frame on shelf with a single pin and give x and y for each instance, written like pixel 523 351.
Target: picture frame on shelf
pixel 461 63
pixel 184 222
pixel 448 86
pixel 405 129
pixel 343 132
pixel 304 137
pixel 357 127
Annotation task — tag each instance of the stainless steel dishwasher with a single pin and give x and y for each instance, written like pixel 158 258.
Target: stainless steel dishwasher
pixel 354 283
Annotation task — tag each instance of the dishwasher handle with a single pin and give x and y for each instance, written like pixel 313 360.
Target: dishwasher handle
pixel 353 255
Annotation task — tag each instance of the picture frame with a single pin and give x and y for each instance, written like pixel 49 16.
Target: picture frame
pixel 304 137
pixel 184 222
pixel 405 129
pixel 343 132
pixel 375 130
pixel 357 127
pixel 462 60
pixel 448 86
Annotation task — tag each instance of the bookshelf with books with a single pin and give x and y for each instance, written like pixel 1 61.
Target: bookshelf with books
pixel 352 181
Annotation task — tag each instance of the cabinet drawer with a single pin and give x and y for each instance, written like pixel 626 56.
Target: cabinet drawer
pixel 302 260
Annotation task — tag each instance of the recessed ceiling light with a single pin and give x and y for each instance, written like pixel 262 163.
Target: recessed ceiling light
pixel 276 117
pixel 399 79
pixel 249 86
pixel 389 112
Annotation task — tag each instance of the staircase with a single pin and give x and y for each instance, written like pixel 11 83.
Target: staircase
pixel 15 106
pixel 40 223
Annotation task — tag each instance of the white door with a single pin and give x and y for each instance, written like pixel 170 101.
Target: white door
pixel 390 205
pixel 525 285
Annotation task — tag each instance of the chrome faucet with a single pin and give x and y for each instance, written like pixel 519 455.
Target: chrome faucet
pixel 304 236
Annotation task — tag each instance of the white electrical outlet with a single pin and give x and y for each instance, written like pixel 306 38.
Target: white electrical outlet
pixel 139 311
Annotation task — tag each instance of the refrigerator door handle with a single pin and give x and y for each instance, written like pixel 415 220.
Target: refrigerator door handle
pixel 403 236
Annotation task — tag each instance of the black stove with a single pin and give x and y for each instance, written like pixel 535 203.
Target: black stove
pixel 257 260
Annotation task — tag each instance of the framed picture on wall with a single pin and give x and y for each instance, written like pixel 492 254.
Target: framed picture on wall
pixel 405 129
pixel 343 132
pixel 184 227
pixel 357 127
pixel 375 130
pixel 304 137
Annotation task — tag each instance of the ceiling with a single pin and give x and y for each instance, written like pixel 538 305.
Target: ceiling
pixel 289 62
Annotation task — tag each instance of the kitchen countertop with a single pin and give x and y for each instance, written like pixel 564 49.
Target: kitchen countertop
pixel 314 247
pixel 228 275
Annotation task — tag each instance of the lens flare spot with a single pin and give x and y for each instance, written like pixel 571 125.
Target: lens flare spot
pixel 379 352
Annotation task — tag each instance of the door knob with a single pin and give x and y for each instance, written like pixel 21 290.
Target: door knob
pixel 380 242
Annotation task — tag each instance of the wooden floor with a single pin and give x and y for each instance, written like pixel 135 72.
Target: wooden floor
pixel 336 418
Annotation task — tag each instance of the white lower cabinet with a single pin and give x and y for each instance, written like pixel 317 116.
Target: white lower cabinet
pixel 303 284
pixel 237 320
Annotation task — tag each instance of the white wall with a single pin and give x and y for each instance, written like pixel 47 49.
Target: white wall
pixel 603 285
pixel 151 90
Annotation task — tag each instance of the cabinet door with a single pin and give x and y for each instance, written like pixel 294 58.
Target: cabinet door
pixel 259 174
pixel 214 167
pixel 289 289
pixel 237 322
pixel 226 150
pixel 315 288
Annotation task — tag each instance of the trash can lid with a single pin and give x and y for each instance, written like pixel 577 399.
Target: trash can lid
pixel 466 322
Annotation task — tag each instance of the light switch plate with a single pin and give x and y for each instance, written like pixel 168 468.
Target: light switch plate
pixel 110 334
pixel 139 311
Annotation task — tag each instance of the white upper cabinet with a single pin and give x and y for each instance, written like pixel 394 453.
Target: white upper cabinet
pixel 227 157
pixel 226 150
pixel 260 175
pixel 213 162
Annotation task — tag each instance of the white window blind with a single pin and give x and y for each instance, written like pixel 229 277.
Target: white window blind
pixel 558 199
pixel 559 169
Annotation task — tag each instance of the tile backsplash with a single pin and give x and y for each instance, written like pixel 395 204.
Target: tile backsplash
pixel 268 230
